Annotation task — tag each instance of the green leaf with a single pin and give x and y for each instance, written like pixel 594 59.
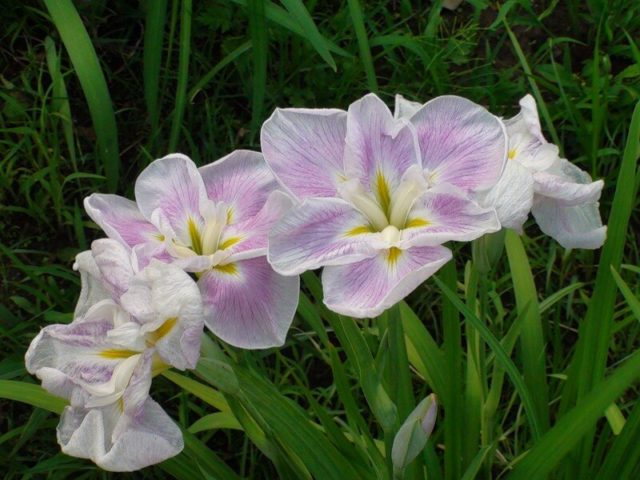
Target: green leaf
pixel 32 394
pixel 260 44
pixel 363 43
pixel 85 62
pixel 152 57
pixel 215 421
pixel 203 392
pixel 632 300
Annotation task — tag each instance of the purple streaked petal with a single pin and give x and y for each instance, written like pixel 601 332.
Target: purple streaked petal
pixel 248 305
pixel 304 149
pixel 461 143
pixel 173 187
pixel 119 218
pixel 317 233
pixel 567 184
pixel 512 196
pixel 242 180
pixel 445 213
pixel 114 261
pixel 369 287
pixel 379 148
pixel 577 226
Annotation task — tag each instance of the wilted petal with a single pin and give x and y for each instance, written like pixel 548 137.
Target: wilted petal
pixel 126 436
pixel 369 287
pixel 567 184
pixel 247 304
pixel 461 143
pixel 304 148
pixel 242 180
pixel 576 226
pixel 120 219
pixel 405 108
pixel 445 213
pixel 172 186
pixel 319 232
pixel 167 303
pixel 512 196
pixel 379 149
pixel 92 290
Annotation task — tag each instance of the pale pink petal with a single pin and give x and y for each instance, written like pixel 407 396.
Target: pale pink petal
pixel 567 184
pixel 379 149
pixel 173 187
pixel 323 231
pixel 242 180
pixel 120 219
pixel 512 196
pixel 248 305
pixel 578 226
pixel 304 149
pixel 445 213
pixel 92 289
pixel 461 143
pixel 114 261
pixel 369 287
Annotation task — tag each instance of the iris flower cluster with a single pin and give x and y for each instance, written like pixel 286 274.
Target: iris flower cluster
pixel 368 194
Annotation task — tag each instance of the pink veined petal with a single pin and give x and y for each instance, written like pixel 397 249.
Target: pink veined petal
pixel 512 196
pixel 567 184
pixel 250 238
pixel 172 186
pixel 405 108
pixel 461 143
pixel 379 148
pixel 242 180
pixel 449 215
pixel 304 149
pixel 248 305
pixel 120 219
pixel 320 231
pixel 577 226
pixel 114 261
pixel 369 287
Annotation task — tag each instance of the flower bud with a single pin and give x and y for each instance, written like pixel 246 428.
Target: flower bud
pixel 414 433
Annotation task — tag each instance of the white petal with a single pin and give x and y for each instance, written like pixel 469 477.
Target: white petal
pixel 405 108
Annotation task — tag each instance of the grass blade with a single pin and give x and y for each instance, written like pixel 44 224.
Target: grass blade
pixel 152 57
pixel 363 43
pixel 85 62
pixel 567 432
pixel 300 13
pixel 259 42
pixel 183 73
pixel 531 338
pixel 32 394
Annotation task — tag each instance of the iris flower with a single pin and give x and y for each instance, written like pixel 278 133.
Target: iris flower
pixel 377 196
pixel 132 326
pixel 212 221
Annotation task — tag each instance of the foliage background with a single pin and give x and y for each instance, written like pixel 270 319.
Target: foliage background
pixel 202 80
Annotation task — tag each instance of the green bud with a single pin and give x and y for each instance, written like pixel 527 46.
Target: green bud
pixel 414 433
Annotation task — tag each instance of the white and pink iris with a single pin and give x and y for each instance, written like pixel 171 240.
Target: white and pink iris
pixel 129 325
pixel 377 195
pixel 212 221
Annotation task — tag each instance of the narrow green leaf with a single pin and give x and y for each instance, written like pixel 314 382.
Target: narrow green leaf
pixel 531 338
pixel 625 450
pixel 32 394
pixel 570 429
pixel 260 43
pixel 152 57
pixel 203 392
pixel 632 300
pixel 300 14
pixel 215 421
pixel 183 73
pixel 399 364
pixel 85 62
pixel 363 44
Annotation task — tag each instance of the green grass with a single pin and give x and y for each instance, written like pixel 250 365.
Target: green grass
pixel 525 344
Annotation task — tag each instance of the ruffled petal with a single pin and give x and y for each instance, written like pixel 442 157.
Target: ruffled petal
pixel 369 287
pixel 248 305
pixel 168 305
pixel 114 261
pixel 304 149
pixel 461 143
pixel 405 108
pixel 567 184
pixel 445 213
pixel 120 219
pixel 379 149
pixel 512 196
pixel 319 232
pixel 92 290
pixel 172 187
pixel 578 226
pixel 242 180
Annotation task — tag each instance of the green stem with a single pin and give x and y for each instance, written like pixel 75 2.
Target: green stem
pixel 399 363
